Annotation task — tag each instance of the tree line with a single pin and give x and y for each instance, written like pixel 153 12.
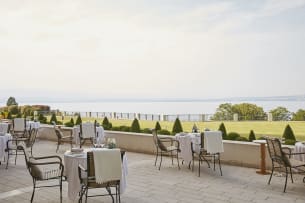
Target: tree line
pixel 248 111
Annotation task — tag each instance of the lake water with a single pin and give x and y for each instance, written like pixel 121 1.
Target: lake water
pixel 202 107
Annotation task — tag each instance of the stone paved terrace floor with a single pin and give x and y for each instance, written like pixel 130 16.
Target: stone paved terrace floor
pixel 147 184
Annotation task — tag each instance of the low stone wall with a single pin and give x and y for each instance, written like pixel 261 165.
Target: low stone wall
pixel 245 154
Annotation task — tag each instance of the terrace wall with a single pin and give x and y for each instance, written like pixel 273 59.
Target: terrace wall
pixel 245 154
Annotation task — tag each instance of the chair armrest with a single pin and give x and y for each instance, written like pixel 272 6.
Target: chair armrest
pixel 48 157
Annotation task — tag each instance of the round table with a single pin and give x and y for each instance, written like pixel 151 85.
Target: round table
pixel 3 144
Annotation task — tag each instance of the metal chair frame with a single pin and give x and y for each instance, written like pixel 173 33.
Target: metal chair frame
pixel 61 138
pixel 19 133
pixel 82 140
pixel 162 150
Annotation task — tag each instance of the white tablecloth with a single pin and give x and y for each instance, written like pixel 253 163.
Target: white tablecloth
pixel 71 172
pixel 32 124
pixel 185 141
pixel 3 145
pixel 298 148
pixel 4 127
pixel 99 131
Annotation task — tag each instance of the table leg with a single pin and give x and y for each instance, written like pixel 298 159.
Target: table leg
pixel 262 170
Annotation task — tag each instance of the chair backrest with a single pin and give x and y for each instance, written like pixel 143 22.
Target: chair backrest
pixel 157 141
pixel 88 130
pixel 27 156
pixel 19 124
pixel 32 137
pixel 276 153
pixel 58 133
pixel 4 127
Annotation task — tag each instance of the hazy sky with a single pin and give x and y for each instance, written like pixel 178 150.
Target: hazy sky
pixel 83 49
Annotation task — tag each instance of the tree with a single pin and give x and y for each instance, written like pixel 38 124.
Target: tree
pixel 223 130
pixel 252 136
pixel 13 109
pixel 78 120
pixel 41 118
pixel 280 114
pixel 11 101
pixel 53 119
pixel 106 124
pixel 177 128
pixel 247 111
pixel 135 126
pixel 299 115
pixel 288 133
pixel 157 126
pixel 224 112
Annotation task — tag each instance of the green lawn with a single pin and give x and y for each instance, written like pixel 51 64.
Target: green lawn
pixel 274 128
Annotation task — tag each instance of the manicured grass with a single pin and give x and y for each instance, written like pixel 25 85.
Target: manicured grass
pixel 261 128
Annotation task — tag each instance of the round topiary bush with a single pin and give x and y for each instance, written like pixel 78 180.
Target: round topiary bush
pixel 244 139
pixel 252 136
pixel 164 132
pixel 233 136
pixel 222 128
pixel 135 126
pixel 290 142
pixel 41 118
pixel 288 133
pixel 124 128
pixel 177 128
pixel 147 131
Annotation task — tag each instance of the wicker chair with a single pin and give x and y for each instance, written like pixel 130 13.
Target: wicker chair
pixel 12 145
pixel 163 149
pixel 203 155
pixel 43 169
pixel 87 132
pixel 281 157
pixel 61 138
pixel 89 181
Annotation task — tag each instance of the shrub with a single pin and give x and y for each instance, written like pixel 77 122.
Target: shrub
pixel 9 115
pixel 290 142
pixel 147 131
pixel 53 119
pixel 13 109
pixel 261 138
pixel 233 136
pixel 164 132
pixel 157 126
pixel 177 128
pixel 106 124
pixel 288 133
pixel 222 128
pixel 116 128
pixel 42 119
pixel 242 139
pixel 135 126
pixel 252 136
pixel 70 123
pixel 78 120
pixel 124 128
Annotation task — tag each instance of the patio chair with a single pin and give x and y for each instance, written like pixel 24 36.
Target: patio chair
pixel 61 138
pixel 281 157
pixel 12 145
pixel 90 180
pixel 43 169
pixel 87 132
pixel 165 146
pixel 19 127
pixel 204 155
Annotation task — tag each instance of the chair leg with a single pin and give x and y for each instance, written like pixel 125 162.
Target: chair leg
pixel 199 160
pixel 16 156
pixel 34 186
pixel 286 179
pixel 177 160
pixel 60 188
pixel 86 194
pixel 58 143
pixel 291 175
pixel 119 191
pixel 156 157
pixel 160 161
pixel 219 164
pixel 214 160
pixel 8 158
pixel 172 157
pixel 193 159
pixel 271 174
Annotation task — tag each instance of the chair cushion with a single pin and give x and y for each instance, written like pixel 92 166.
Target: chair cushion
pixel 295 163
pixel 44 172
pixel 171 148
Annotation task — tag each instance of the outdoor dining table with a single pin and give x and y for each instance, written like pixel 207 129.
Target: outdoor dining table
pixel 32 125
pixel 72 160
pixel 99 131
pixel 4 137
